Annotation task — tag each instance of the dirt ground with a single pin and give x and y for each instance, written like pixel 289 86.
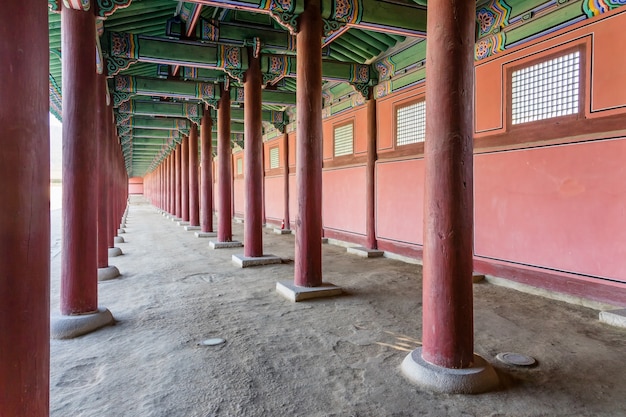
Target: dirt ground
pixel 329 357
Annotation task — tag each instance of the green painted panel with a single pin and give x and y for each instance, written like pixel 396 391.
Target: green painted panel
pixel 408 79
pixel 560 15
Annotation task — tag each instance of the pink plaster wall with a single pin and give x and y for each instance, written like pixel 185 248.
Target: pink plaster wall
pixel 135 185
pixel 238 194
pixel 343 199
pixel 560 207
pixel 400 200
pixel 274 199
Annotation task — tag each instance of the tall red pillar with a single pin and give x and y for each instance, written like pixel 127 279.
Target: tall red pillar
pixel 224 175
pixel 171 207
pixel 194 204
pixel 79 284
pixel 184 179
pixel 370 180
pixel 178 181
pixel 25 213
pixel 447 311
pixel 206 173
pixel 79 279
pixel 286 181
pixel 253 158
pixel 104 125
pixel 308 251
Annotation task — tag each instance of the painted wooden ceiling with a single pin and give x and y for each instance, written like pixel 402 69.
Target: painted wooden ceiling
pixel 165 58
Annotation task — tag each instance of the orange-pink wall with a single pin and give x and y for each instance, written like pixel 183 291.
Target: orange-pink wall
pixel 343 198
pixel 559 207
pixel 274 198
pixel 135 185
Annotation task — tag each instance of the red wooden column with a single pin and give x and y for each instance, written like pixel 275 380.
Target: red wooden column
pixel 206 173
pixel 308 251
pixel 447 311
pixel 253 157
pixel 25 213
pixel 307 281
pixel 286 180
pixel 194 208
pixel 184 179
pixel 79 279
pixel 168 183
pixel 178 182
pixel 224 175
pixel 370 179
pixel 105 271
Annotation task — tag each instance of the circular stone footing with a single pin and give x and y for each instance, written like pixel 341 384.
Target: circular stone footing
pixel 107 273
pixel 118 239
pixel 481 377
pixel 68 327
pixel 114 252
pixel 120 231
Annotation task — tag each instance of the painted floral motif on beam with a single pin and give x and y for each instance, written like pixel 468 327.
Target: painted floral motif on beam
pixel 490 46
pixel 492 17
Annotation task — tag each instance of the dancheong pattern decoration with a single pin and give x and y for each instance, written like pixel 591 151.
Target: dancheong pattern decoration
pixel 344 12
pixel 490 45
pixel 55 98
pixel 360 78
pixel 278 67
pixel 54 6
pixel 278 120
pixel 108 7
pixel 283 11
pixel 116 64
pixel 125 84
pixel 210 30
pixel 229 59
pixel 77 4
pixel 385 68
pixel 192 113
pixel 492 16
pixel 124 45
pixel 491 19
pixel 596 7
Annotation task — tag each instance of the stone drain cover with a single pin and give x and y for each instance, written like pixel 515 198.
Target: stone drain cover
pixel 515 359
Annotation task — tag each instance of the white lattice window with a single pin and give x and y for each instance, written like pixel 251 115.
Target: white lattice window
pixel 239 166
pixel 344 140
pixel 274 161
pixel 545 90
pixel 411 123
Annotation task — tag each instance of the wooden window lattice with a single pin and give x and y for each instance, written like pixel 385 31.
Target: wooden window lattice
pixel 274 159
pixel 239 166
pixel 411 123
pixel 344 140
pixel 545 90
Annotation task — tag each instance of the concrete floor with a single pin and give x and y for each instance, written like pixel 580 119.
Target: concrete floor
pixel 329 357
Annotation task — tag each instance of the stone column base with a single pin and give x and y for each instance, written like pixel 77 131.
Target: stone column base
pixel 69 327
pixel 481 377
pixel 107 273
pixel 296 293
pixel 114 252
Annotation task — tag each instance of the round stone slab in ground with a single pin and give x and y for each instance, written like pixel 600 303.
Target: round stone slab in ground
pixel 212 342
pixel 516 359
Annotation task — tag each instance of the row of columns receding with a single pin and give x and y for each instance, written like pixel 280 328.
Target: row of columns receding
pixel 93 161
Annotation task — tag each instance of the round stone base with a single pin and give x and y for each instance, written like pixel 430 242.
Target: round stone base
pixel 118 239
pixel 107 273
pixel 481 377
pixel 120 231
pixel 68 327
pixel 114 252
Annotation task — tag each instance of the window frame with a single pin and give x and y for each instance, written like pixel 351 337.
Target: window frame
pixel 544 57
pixel 399 106
pixel 270 150
pixel 339 126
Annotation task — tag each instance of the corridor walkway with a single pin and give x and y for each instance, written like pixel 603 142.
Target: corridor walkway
pixel 328 357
